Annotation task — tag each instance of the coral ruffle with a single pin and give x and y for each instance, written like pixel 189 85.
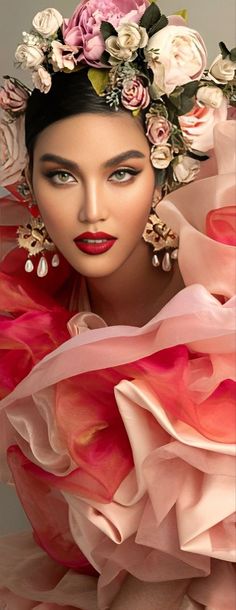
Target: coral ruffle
pixel 120 439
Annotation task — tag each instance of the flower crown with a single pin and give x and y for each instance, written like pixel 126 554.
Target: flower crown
pixel 138 59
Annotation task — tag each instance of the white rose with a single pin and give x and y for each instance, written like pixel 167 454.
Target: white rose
pixel 29 56
pixel 42 80
pixel 182 52
pixel 185 169
pixel 117 52
pixel 132 36
pixel 47 22
pixel 157 88
pixel 222 70
pixel 161 156
pixel 210 96
pixel 13 153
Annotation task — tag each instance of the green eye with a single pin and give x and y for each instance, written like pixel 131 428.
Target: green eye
pixel 124 175
pixel 60 177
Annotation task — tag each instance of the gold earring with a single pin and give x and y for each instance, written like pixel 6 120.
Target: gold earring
pixel 35 239
pixel 162 239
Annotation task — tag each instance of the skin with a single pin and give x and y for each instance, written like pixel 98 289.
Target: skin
pixel 103 194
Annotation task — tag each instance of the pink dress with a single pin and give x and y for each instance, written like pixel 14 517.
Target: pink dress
pixel 120 440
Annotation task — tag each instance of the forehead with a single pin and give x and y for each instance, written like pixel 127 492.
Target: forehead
pixel 86 135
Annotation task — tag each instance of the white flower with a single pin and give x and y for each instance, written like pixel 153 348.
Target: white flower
pixel 47 22
pixel 222 70
pixel 161 156
pixel 29 56
pixel 132 36
pixel 117 52
pixel 31 39
pixel 210 96
pixel 182 52
pixel 185 169
pixel 42 80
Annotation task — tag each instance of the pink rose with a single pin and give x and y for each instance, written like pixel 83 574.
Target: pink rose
pixel 134 95
pixel 83 28
pixel 12 150
pixel 158 129
pixel 198 125
pixel 181 51
pixel 13 97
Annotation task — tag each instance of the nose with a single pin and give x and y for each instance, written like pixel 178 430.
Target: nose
pixel 92 208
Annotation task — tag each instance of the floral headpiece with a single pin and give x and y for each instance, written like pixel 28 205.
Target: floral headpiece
pixel 138 59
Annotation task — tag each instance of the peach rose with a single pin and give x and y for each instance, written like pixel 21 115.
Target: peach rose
pixel 134 94
pixel 182 52
pixel 198 125
pixel 13 97
pixel 63 56
pixel 158 128
pixel 12 150
pixel 42 80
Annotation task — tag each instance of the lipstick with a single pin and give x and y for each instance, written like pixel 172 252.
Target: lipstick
pixel 94 243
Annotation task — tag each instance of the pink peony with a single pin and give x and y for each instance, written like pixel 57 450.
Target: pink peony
pixel 198 125
pixel 158 129
pixel 83 28
pixel 13 97
pixel 134 95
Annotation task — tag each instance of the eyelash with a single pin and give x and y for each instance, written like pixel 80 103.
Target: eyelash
pixel 125 170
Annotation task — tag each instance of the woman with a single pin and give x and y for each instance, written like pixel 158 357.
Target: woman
pixel 117 374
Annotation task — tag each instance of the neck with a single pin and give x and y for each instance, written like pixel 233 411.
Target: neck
pixel 135 293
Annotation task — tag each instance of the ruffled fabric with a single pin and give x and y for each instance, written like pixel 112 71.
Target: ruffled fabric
pixel 119 440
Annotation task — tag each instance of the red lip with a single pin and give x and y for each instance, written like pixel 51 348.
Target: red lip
pixel 96 246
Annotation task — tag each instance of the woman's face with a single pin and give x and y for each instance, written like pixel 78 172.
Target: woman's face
pixel 94 183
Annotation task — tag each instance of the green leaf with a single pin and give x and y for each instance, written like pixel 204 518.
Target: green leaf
pixel 233 54
pixel 107 30
pixel 98 79
pixel 160 177
pixel 163 21
pixel 136 112
pixel 183 13
pixel 186 105
pixel 223 49
pixel 191 88
pixel 197 154
pixel 151 15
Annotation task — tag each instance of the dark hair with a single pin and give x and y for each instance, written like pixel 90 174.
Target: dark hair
pixel 70 94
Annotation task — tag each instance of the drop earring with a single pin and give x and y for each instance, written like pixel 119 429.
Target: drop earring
pixel 163 240
pixel 34 238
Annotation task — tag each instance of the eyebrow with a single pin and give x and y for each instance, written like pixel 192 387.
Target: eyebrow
pixel 129 154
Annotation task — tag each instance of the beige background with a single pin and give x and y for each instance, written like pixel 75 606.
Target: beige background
pixel 214 19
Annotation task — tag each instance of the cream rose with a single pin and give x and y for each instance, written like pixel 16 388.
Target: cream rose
pixel 161 156
pixel 42 80
pixel 132 36
pixel 185 169
pixel 182 52
pixel 118 53
pixel 210 96
pixel 198 125
pixel 222 70
pixel 29 56
pixel 47 22
pixel 12 150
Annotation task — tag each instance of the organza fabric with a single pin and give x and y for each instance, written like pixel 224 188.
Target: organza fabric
pixel 120 440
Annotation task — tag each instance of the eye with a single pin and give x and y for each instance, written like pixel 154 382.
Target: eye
pixel 60 177
pixel 123 174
